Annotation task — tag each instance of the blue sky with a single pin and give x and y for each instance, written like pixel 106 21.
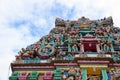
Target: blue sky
pixel 23 22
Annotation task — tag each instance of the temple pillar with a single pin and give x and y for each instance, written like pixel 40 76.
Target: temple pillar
pixel 84 74
pixel 104 74
pixel 98 48
pixel 69 48
pixel 82 48
pixel 112 49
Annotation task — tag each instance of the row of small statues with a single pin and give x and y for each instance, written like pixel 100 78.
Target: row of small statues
pixel 93 23
pixel 63 33
pixel 72 74
pixel 75 47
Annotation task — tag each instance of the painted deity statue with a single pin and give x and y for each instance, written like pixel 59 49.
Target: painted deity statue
pixel 74 48
pixel 44 52
pixel 72 70
pixel 67 23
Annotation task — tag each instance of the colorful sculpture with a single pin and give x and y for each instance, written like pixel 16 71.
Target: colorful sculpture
pixel 73 50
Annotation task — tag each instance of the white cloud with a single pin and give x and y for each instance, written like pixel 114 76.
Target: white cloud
pixel 20 19
pixel 94 8
pixel 40 22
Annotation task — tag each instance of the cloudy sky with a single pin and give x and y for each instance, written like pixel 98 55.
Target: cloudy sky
pixel 23 22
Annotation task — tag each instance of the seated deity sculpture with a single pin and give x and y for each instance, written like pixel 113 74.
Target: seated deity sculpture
pixel 68 23
pixel 26 51
pixel 105 48
pixel 72 71
pixel 23 50
pixel 58 20
pixel 110 20
pixel 62 37
pixel 74 48
pixel 57 41
pixel 44 52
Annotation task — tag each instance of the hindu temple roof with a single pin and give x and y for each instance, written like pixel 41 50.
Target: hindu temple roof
pixel 78 39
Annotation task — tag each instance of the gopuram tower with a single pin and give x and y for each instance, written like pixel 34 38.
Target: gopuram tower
pixel 80 49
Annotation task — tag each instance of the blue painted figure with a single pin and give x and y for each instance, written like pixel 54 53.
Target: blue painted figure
pixel 74 48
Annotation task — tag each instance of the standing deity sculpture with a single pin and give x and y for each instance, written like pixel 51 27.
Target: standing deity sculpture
pixel 68 23
pixel 75 48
